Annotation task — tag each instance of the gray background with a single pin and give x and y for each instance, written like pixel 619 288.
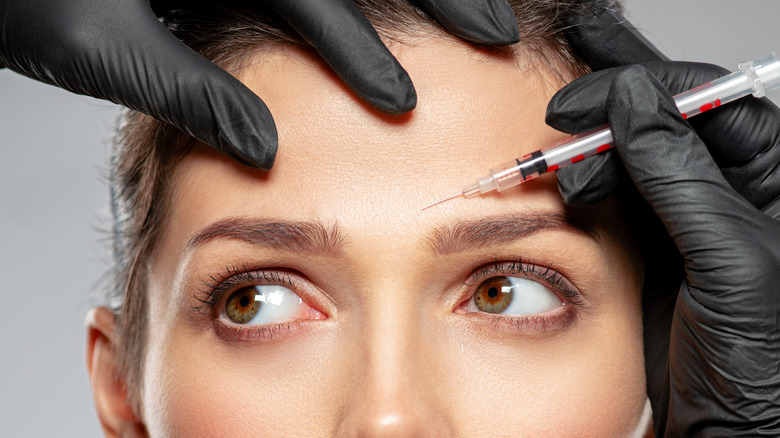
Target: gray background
pixel 53 199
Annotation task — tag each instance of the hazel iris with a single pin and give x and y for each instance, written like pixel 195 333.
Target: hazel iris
pixel 494 295
pixel 242 306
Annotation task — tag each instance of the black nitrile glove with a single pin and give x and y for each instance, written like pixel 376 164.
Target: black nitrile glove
pixel 708 187
pixel 743 137
pixel 119 51
pixel 744 140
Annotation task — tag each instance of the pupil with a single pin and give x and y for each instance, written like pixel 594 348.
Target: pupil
pixel 244 301
pixel 492 292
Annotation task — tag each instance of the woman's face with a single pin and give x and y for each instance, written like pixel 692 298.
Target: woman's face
pixel 317 299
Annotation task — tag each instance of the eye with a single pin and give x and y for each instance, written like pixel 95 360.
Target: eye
pixel 264 304
pixel 514 296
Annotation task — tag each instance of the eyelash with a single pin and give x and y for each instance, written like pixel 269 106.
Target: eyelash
pixel 218 286
pixel 536 323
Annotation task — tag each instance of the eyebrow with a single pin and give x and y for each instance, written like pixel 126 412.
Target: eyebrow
pixel 310 236
pixel 497 230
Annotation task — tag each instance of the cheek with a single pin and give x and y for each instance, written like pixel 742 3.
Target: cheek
pixel 589 382
pixel 196 386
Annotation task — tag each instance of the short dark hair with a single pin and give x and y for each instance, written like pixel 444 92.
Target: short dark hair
pixel 147 150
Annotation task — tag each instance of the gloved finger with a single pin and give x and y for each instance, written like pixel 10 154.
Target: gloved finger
pixel 119 51
pixel 350 45
pixel 591 182
pixel 489 22
pixel 603 38
pixel 577 108
pixel 581 105
pixel 742 136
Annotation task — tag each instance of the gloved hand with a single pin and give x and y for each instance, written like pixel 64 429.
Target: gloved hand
pixel 722 376
pixel 119 51
pixel 744 139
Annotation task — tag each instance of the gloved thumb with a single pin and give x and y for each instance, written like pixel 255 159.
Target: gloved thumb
pixel 673 170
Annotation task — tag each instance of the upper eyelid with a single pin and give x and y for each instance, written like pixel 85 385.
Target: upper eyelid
pixel 221 285
pixel 491 269
pixel 253 276
pixel 569 291
pixel 231 272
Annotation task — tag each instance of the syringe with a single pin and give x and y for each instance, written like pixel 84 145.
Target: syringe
pixel 755 77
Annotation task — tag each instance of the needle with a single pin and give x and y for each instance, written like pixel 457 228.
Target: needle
pixel 443 200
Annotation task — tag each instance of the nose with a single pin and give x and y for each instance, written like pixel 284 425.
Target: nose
pixel 394 391
pixel 392 421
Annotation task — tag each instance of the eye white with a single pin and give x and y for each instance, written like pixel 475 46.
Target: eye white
pixel 277 304
pixel 529 298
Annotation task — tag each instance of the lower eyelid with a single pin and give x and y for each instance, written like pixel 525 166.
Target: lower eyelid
pixel 234 333
pixel 239 333
pixel 551 321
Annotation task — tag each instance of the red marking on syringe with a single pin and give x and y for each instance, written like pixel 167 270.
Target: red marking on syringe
pixel 706 107
pixel 578 158
pixel 603 148
pixel 553 168
pixel 685 116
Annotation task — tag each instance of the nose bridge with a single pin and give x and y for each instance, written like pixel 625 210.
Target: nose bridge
pixel 392 397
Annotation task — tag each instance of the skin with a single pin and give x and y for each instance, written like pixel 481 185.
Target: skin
pixel 390 349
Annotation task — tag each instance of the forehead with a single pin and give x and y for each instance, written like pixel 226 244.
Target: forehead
pixel 338 158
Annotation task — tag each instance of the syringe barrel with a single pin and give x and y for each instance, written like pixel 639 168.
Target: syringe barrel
pixel 507 175
pixel 551 158
pixel 755 77
pixel 500 177
pixel 713 94
pixel 577 148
